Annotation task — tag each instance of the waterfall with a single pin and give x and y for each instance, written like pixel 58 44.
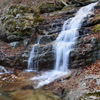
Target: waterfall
pixel 32 66
pixel 64 43
pixel 68 36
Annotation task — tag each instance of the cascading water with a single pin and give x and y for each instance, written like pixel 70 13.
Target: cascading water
pixel 64 43
pixel 67 38
pixel 31 65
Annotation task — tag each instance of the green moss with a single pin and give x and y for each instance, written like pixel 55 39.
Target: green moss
pixel 96 28
pixel 99 15
pixel 97 94
pixel 67 8
pixel 23 8
pixel 45 8
pixel 20 19
pixel 37 19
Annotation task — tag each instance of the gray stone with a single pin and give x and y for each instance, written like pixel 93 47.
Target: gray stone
pixel 14 44
pixel 47 38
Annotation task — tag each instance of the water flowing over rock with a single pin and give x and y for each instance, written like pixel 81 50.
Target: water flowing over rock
pixel 49 29
pixel 67 38
pixel 64 44
pixel 84 59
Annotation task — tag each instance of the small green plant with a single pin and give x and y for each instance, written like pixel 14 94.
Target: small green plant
pixel 96 28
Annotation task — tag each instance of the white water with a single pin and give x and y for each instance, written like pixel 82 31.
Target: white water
pixel 31 65
pixel 67 38
pixel 64 43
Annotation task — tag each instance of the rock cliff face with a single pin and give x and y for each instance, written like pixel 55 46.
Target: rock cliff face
pixel 86 50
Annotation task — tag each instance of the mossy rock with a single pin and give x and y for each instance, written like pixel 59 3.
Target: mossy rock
pixel 20 19
pixel 96 28
pixel 97 94
pixel 67 8
pixel 47 7
pixel 90 96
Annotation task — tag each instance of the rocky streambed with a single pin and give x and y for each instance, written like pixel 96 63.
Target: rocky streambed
pixel 81 84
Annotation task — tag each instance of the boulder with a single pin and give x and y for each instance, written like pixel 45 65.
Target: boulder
pixel 20 20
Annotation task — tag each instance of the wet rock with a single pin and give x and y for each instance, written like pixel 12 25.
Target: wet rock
pixel 27 87
pixel 47 38
pixel 86 53
pixel 51 25
pixel 3 34
pixel 43 57
pixel 83 32
pixel 79 3
pixel 93 19
pixel 91 22
pixel 86 50
pixel 98 5
pixel 11 38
